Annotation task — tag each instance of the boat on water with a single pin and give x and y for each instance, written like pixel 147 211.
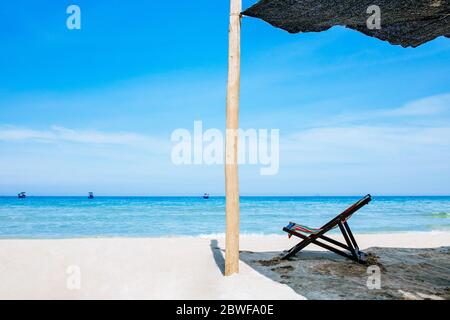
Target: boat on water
pixel 91 195
pixel 206 196
pixel 22 195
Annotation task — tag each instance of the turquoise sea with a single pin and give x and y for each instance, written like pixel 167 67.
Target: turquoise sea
pixel 70 217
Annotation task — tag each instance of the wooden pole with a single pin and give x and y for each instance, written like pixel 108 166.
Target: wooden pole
pixel 231 144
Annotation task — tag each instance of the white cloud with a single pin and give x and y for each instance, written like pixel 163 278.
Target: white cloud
pixel 367 144
pixel 436 106
pixel 60 134
pixel 13 133
pixel 422 107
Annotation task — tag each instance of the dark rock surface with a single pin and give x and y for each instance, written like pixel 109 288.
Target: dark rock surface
pixel 408 23
pixel 405 273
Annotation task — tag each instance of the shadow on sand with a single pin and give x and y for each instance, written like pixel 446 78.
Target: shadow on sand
pixel 217 255
pixel 404 273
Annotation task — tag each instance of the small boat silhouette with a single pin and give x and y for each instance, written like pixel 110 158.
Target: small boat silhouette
pixel 206 196
pixel 22 195
pixel 91 195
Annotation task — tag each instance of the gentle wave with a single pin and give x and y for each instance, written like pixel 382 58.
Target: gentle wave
pixel 440 215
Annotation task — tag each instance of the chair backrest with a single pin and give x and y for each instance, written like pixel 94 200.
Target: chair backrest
pixel 347 213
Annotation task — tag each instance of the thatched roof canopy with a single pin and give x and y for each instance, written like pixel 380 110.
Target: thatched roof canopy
pixel 408 23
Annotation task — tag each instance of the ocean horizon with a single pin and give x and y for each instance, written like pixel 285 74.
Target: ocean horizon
pixel 60 217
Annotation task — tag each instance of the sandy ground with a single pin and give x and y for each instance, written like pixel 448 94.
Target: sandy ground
pixel 158 268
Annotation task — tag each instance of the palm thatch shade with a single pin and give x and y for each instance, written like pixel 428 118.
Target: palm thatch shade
pixel 408 23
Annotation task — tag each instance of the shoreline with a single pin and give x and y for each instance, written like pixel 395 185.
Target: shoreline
pixel 159 268
pixel 222 235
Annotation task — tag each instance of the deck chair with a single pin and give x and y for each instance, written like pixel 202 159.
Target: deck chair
pixel 317 236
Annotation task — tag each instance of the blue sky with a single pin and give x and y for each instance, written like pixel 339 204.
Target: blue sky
pixel 93 109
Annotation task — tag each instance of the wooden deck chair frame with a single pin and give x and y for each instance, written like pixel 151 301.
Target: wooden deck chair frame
pixel 352 251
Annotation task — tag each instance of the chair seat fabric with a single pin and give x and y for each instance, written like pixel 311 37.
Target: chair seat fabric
pixel 302 228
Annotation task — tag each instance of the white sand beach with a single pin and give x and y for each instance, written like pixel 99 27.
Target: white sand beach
pixel 156 268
